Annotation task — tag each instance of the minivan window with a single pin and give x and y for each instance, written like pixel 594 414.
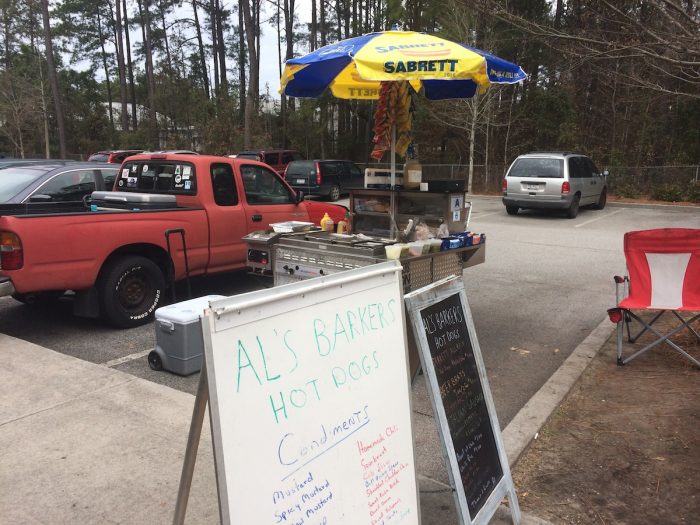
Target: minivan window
pixel 536 167
pixel 591 167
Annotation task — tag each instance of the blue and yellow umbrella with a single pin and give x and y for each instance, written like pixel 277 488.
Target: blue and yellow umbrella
pixel 354 68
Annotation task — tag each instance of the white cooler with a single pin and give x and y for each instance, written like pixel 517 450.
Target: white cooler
pixel 179 341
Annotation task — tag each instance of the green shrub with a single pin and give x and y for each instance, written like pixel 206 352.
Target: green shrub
pixel 626 189
pixel 693 193
pixel 667 192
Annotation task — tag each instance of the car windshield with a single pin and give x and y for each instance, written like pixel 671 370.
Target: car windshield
pixel 538 167
pixel 14 179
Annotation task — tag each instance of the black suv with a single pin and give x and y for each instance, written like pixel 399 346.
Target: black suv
pixel 328 178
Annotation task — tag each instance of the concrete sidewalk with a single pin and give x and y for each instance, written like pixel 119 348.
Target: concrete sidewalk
pixel 82 443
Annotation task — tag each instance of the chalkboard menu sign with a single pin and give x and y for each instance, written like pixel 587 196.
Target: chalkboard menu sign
pixel 462 397
pixel 463 405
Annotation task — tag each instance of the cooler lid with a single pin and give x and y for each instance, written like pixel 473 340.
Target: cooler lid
pixel 185 311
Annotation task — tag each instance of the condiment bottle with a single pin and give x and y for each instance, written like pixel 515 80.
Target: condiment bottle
pixel 327 223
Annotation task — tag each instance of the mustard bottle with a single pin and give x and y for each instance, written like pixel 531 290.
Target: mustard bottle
pixel 327 223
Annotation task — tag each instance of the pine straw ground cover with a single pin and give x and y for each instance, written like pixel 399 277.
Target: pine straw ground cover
pixel 624 447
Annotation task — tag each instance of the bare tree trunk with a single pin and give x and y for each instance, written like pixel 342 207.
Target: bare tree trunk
pixel 132 88
pixel 200 44
pixel 283 97
pixel 241 64
pixel 474 106
pixel 53 78
pixel 214 46
pixel 313 37
pixel 109 84
pixel 324 106
pixel 44 113
pixel 222 49
pixel 168 58
pixel 251 105
pixel 118 30
pixel 150 80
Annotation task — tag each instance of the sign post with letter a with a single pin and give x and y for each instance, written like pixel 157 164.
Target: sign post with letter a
pixel 310 403
pixel 456 377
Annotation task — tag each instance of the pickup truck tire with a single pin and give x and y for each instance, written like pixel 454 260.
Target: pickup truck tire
pixel 130 289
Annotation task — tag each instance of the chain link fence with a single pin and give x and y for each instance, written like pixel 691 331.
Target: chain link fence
pixel 668 183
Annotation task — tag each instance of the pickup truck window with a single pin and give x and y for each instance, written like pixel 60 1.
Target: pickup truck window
pixel 223 185
pixel 158 176
pixel 263 186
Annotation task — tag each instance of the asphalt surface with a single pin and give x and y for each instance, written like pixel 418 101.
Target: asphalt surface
pixel 545 285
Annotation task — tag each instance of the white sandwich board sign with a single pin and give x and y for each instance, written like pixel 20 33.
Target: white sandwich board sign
pixel 310 407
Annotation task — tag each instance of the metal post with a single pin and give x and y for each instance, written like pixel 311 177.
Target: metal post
pixel 200 408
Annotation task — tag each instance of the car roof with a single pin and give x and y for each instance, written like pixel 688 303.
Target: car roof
pixel 50 165
pixel 323 160
pixel 552 154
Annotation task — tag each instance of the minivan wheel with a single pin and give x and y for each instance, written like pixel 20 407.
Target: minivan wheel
pixel 512 210
pixel 334 193
pixel 572 211
pixel 602 200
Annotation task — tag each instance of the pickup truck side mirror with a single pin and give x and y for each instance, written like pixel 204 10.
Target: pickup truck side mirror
pixel 300 196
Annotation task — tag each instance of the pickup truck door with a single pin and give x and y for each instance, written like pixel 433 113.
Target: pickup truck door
pixel 227 220
pixel 269 199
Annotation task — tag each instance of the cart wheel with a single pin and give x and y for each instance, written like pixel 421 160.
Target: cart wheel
pixel 154 361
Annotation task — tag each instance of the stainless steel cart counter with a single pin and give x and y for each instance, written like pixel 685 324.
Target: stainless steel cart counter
pixel 296 258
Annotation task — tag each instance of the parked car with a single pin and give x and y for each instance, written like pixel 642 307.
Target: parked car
pixel 113 157
pixel 277 159
pixel 554 180
pixel 327 178
pixel 54 181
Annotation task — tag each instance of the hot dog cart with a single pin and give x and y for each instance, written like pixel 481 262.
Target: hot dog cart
pixel 298 251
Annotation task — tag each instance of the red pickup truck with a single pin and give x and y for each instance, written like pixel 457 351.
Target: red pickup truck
pixel 168 214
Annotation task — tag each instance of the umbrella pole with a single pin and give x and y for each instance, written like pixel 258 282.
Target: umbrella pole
pixel 393 227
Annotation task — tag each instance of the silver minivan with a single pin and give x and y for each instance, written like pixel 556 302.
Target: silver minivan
pixel 554 180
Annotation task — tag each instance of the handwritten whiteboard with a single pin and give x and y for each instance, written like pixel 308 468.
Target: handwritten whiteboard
pixel 310 402
pixel 461 398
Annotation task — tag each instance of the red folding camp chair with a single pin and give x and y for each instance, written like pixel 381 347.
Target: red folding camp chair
pixel 663 274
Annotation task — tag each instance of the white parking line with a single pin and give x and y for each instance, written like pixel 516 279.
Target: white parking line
pixel 131 357
pixel 598 218
pixel 477 215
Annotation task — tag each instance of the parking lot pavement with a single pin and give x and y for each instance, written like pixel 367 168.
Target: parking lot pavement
pixel 83 443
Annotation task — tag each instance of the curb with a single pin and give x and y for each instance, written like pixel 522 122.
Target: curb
pixel 524 427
